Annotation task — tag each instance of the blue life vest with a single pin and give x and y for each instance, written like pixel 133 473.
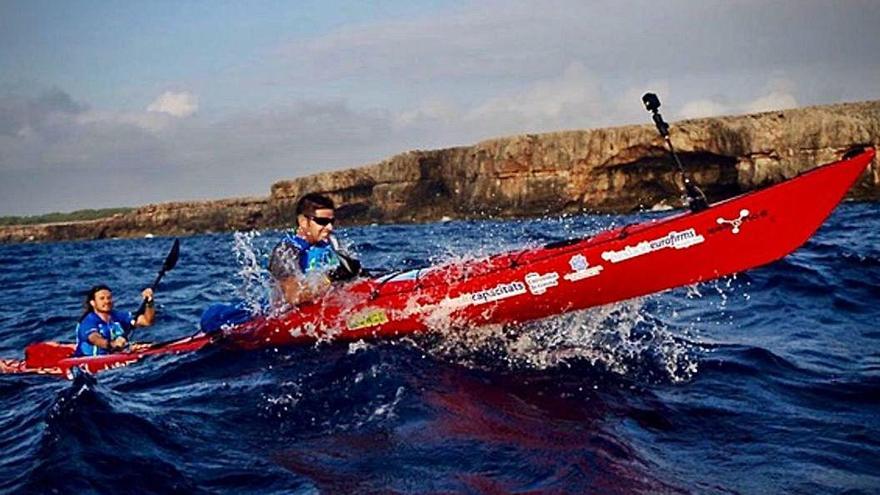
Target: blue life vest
pixel 320 256
pixel 120 322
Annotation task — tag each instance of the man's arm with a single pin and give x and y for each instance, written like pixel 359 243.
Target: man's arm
pixel 284 267
pixel 146 319
pixel 96 340
pixel 292 290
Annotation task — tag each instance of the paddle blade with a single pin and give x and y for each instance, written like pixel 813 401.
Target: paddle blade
pixel 171 260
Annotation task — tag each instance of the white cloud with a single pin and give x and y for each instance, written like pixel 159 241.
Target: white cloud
pixel 433 109
pixel 153 121
pixel 776 100
pixel 55 152
pixel 779 95
pixel 488 61
pixel 569 99
pixel 460 43
pixel 524 40
pixel 557 102
pixel 703 108
pixel 181 104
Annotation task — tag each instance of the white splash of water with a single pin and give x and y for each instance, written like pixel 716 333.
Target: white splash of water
pixel 386 410
pixel 290 395
pixel 256 285
pixel 620 338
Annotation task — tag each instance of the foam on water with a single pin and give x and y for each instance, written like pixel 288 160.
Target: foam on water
pixel 620 338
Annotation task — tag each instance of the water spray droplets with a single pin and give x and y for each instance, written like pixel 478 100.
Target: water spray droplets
pixel 622 339
pixel 255 285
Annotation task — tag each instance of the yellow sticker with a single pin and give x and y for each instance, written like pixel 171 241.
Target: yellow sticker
pixel 367 319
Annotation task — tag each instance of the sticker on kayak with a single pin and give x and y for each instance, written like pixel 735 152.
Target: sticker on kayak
pixel 538 284
pixel 499 292
pixel 675 240
pixel 736 223
pixel 581 269
pixel 367 319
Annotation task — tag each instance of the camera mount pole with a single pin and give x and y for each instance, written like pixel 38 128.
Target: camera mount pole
pixel 696 200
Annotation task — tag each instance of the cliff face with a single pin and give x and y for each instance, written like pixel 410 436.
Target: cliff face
pixel 179 218
pixel 615 169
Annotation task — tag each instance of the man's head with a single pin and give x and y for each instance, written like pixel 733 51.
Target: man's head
pixel 315 215
pixel 99 299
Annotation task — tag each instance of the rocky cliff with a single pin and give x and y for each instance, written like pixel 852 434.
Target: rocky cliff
pixel 614 169
pixel 178 218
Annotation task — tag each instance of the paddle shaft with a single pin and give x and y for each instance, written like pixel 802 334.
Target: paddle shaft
pixel 170 262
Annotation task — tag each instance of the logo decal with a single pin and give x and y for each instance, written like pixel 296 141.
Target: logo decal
pixel 675 240
pixel 736 222
pixel 499 292
pixel 538 284
pixel 367 319
pixel 582 269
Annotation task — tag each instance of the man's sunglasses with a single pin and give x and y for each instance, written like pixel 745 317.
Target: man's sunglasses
pixel 323 221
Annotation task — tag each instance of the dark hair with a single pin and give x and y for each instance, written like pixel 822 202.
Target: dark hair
pixel 87 308
pixel 311 202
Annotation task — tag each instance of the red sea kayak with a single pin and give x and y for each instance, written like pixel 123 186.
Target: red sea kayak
pixel 730 236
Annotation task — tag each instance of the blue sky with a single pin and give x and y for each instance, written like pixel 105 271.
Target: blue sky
pixel 126 103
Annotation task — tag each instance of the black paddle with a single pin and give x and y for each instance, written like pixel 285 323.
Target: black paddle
pixel 170 262
pixel 696 200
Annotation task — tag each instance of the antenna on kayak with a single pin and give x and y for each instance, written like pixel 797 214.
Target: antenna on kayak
pixel 696 200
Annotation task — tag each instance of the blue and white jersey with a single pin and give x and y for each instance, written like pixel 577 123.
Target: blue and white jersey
pixel 120 322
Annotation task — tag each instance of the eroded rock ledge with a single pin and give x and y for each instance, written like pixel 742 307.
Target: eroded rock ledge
pixel 616 169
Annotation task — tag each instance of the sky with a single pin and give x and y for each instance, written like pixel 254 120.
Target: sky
pixel 107 103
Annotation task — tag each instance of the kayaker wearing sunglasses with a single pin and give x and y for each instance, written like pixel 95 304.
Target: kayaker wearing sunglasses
pixel 307 260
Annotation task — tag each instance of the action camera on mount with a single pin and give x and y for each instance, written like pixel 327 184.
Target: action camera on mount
pixel 652 103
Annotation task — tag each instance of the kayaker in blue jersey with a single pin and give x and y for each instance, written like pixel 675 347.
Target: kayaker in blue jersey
pixel 307 260
pixel 101 329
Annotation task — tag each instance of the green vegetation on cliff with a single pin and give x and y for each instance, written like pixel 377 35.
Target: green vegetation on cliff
pixel 74 216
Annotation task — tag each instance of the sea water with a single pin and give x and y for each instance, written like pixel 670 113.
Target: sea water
pixel 764 382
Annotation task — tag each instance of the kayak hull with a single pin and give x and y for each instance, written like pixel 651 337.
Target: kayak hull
pixel 730 236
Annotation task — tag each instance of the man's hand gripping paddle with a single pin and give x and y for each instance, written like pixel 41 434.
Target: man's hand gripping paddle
pixel 170 262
